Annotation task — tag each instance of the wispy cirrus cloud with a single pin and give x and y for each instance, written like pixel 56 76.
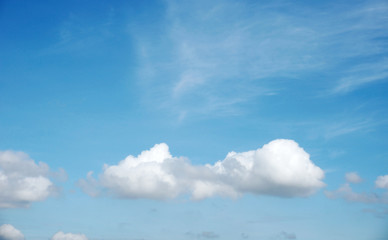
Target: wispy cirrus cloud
pixel 361 75
pixel 232 52
pixel 347 127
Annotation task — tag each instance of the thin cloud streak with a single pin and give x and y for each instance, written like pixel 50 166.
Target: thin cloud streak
pixel 198 60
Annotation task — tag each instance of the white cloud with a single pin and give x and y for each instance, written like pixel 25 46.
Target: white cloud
pixel 346 192
pixel 382 182
pixel 353 177
pixel 279 168
pixel 68 236
pixel 22 181
pixel 143 176
pixel 9 232
pixel 90 185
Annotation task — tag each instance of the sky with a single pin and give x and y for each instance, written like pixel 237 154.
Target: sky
pixel 184 120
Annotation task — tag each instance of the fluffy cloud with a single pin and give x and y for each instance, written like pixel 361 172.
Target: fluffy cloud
pixel 353 177
pixel 346 192
pixel 382 182
pixel 9 232
pixel 22 181
pixel 144 176
pixel 279 168
pixel 68 236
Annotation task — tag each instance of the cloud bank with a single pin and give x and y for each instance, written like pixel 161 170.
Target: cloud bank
pixel 9 232
pixel 68 236
pixel 22 181
pixel 280 168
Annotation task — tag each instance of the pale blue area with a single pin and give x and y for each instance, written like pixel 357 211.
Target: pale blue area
pixel 84 83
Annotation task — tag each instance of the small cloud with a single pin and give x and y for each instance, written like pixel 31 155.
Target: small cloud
pixel 244 235
pixel 382 182
pixel 353 177
pixel 202 235
pixel 346 192
pixel 23 181
pixel 209 235
pixel 9 232
pixel 287 235
pixel 68 236
pixel 89 185
pixel 59 175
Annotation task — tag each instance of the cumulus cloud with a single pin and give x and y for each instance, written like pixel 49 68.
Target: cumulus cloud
pixel 280 168
pixel 346 192
pixel 382 182
pixel 144 176
pixel 68 236
pixel 9 232
pixel 89 186
pixel 22 181
pixel 353 177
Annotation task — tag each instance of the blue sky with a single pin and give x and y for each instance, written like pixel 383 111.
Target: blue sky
pixel 193 120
